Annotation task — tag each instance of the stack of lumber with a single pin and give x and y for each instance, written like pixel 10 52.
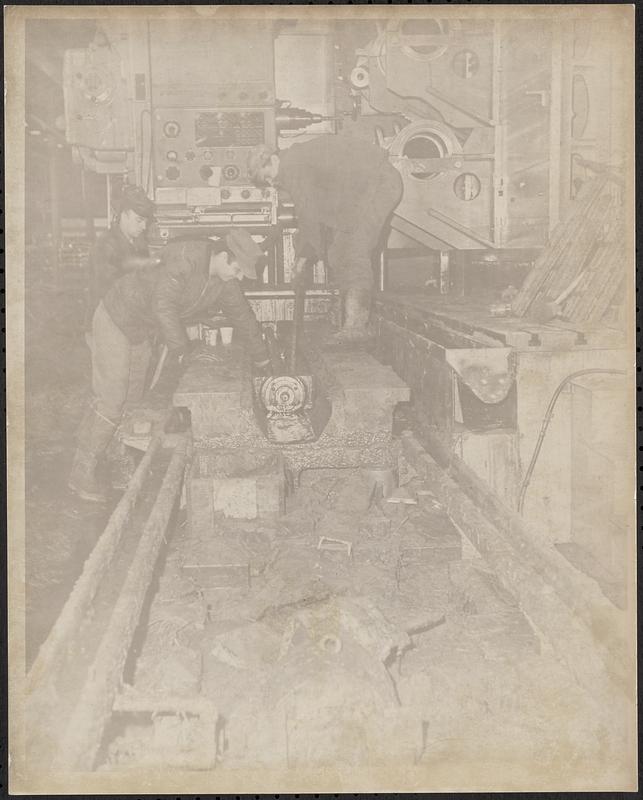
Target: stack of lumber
pixel 591 243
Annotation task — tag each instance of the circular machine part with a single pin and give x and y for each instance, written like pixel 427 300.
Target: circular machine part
pixel 436 31
pixel 172 173
pixel 283 394
pixel 171 129
pixel 172 155
pixel 467 186
pixel 360 78
pixel 190 155
pixel 231 172
pixel 207 155
pixel 206 172
pixel 424 139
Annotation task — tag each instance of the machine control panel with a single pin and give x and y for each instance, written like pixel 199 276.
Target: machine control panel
pixel 208 147
pixel 215 196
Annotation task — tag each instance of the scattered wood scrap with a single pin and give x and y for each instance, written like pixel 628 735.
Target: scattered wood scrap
pixel 587 252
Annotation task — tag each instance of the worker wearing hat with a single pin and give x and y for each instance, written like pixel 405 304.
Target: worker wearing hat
pixel 122 247
pixel 344 191
pixel 197 277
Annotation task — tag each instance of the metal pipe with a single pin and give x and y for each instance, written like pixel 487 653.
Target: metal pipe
pixel 547 420
pixel 383 270
pixel 276 358
pixel 298 321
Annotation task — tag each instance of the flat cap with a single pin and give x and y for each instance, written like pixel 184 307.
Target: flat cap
pixel 135 198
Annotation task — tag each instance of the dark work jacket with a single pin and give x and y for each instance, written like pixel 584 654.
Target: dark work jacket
pixel 108 261
pixel 166 298
pixel 332 181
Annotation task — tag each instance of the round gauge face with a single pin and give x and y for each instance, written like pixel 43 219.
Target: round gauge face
pixel 207 155
pixel 467 186
pixel 424 146
pixel 171 129
pixel 230 172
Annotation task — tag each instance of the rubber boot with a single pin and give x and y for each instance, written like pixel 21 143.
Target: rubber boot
pixel 357 310
pixel 94 435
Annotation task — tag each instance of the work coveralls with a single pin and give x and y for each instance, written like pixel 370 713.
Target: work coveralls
pixel 344 191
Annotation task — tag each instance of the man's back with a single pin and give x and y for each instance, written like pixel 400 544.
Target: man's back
pixel 333 175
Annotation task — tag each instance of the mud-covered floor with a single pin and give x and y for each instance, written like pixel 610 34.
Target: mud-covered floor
pixel 399 644
pixel 395 643
pixel 60 530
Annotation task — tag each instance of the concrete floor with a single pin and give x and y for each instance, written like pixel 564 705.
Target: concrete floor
pixel 301 662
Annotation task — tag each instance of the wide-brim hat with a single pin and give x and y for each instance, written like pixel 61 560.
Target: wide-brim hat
pixel 245 251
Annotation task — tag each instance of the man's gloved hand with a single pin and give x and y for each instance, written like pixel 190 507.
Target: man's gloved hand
pixel 201 352
pixel 195 351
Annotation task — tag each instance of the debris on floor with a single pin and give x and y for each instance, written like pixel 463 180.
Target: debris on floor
pixel 329 645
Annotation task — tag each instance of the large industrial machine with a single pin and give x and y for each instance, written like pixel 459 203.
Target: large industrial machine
pixel 181 122
pixel 498 113
pixel 492 119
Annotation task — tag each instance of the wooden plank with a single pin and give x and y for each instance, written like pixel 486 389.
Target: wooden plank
pixel 482 329
pixel 608 286
pixel 57 643
pixel 603 276
pixel 566 235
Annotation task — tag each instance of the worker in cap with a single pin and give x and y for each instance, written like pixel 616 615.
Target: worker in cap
pixel 344 191
pixel 197 278
pixel 123 247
